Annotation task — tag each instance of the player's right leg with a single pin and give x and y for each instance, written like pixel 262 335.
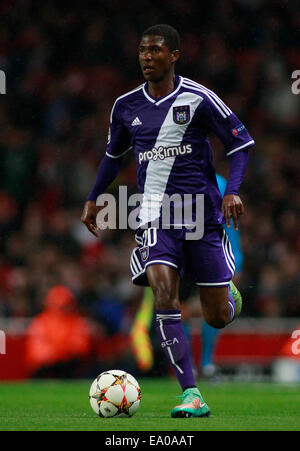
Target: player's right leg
pixel 164 281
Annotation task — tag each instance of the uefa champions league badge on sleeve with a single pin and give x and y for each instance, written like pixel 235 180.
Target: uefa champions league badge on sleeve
pixel 238 129
pixel 181 114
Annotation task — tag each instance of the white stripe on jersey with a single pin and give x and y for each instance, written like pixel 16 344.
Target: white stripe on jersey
pixel 221 107
pixel 164 98
pixel 249 143
pixel 171 93
pixel 209 91
pixel 158 172
pixel 210 98
pixel 121 97
pixel 121 155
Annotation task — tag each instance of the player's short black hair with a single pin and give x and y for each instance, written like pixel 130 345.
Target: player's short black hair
pixel 170 35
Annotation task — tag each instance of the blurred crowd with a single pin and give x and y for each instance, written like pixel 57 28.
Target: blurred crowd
pixel 65 63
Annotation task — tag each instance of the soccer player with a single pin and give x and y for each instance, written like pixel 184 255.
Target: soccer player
pixel 166 122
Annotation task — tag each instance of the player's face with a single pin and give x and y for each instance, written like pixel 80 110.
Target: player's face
pixel 155 58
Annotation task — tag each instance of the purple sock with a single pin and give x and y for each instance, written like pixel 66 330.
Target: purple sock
pixel 231 306
pixel 175 345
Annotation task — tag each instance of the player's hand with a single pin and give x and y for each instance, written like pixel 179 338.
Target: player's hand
pixel 89 216
pixel 232 206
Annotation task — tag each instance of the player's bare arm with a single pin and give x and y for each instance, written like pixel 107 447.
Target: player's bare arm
pixel 107 172
pixel 89 215
pixel 232 206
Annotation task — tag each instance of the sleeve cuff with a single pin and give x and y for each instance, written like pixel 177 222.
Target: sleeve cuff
pixel 118 156
pixel 244 146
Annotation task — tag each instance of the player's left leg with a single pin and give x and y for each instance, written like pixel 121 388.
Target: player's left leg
pixel 224 257
pixel 164 281
pixel 209 332
pixel 220 304
pixel 212 265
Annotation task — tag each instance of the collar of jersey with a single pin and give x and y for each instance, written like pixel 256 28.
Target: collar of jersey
pixel 162 99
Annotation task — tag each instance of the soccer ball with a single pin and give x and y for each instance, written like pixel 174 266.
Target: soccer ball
pixel 115 393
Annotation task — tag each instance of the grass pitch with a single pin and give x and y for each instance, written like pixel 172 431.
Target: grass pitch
pixel 64 406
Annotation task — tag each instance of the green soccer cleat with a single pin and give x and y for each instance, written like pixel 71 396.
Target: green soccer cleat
pixel 237 299
pixel 192 405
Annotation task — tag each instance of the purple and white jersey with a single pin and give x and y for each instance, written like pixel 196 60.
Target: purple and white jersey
pixel 169 137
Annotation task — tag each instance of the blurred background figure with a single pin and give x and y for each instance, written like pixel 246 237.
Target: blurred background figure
pixel 58 339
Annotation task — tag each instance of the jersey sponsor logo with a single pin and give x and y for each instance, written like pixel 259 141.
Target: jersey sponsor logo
pixel 181 114
pixel 160 153
pixel 239 129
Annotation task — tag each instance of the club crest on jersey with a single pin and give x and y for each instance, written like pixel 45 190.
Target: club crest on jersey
pixel 181 114
pixel 144 252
